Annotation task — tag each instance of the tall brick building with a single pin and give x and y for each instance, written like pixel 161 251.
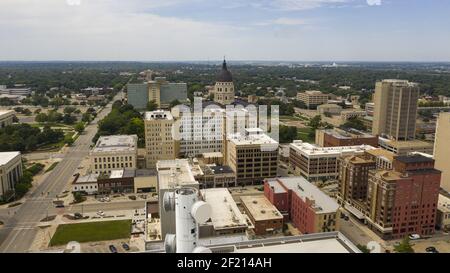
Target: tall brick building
pixel 404 200
pixel 353 180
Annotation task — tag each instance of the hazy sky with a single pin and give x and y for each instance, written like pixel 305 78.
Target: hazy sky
pixel 155 30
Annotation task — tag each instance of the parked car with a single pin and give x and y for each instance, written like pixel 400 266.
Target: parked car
pixel 113 249
pixel 126 246
pixel 100 213
pixel 77 215
pixel 414 237
pixel 431 249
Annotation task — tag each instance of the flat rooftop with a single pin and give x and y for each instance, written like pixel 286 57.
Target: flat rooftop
pixel 85 179
pixel 416 158
pixel 172 173
pixel 313 92
pixel 252 139
pixel 382 153
pixel 406 143
pixel 145 172
pixel 225 213
pixel 400 82
pixel 311 149
pixel 347 134
pixel 304 189
pixel 158 115
pixel 6 113
pixel 358 159
pixel 388 175
pixel 260 208
pixel 330 242
pixel 117 143
pixel 212 155
pixel 221 169
pixel 6 157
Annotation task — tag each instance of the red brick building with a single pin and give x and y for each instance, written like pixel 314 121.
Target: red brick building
pixel 338 137
pixel 307 207
pixel 404 200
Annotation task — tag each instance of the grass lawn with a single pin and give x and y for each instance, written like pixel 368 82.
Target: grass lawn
pixel 91 232
pixel 305 134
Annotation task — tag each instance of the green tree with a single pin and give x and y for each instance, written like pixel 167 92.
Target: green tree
pixel 78 197
pixel 42 117
pixel 287 134
pixel 69 110
pixel 354 123
pixel 404 246
pixel 86 117
pixel 174 103
pixel 79 127
pixel 21 189
pixel 68 119
pixel 152 105
pixel 363 248
pixel 315 122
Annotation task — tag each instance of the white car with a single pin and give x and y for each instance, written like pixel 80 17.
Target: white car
pixel 101 213
pixel 414 237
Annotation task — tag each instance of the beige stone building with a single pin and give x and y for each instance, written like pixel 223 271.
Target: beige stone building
pixel 383 158
pixel 253 157
pixel 265 217
pixel 159 140
pixel 10 171
pixel 443 212
pixel 395 109
pixel 224 88
pixel 442 149
pixel 6 118
pixel 114 153
pixel 319 163
pixel 312 98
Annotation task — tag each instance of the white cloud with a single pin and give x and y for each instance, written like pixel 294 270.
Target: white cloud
pixel 374 2
pixel 283 21
pixel 105 30
pixel 306 4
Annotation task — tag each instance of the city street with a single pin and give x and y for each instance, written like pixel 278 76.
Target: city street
pixel 18 232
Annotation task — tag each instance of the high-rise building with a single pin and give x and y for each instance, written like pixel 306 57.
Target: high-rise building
pixel 202 132
pixel 395 109
pixel 253 157
pixel 224 88
pixel 442 149
pixel 160 91
pixel 137 95
pixel 160 143
pixel 404 200
pixel 353 181
pixel 114 153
